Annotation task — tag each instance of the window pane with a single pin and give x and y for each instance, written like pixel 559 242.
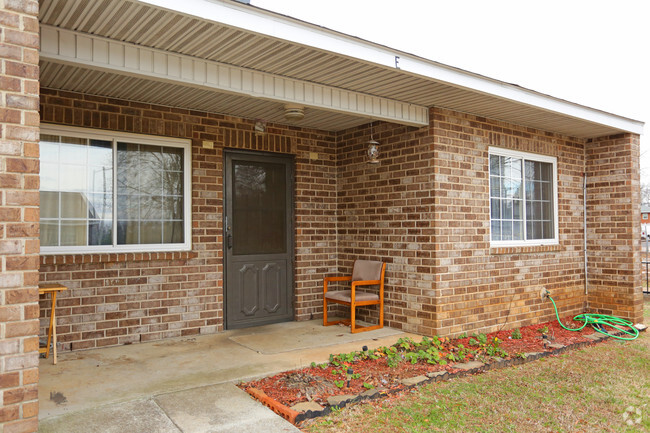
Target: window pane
pixel 546 191
pixel 49 176
pixel 517 230
pixel 506 230
pixel 100 179
pixel 128 206
pixel 495 186
pixel 150 188
pixel 76 181
pixel 49 204
pixel 151 207
pixel 496 230
pixel 539 205
pixel 77 198
pixel 517 211
pixel 495 165
pixel 49 148
pixel 150 232
pixel 506 209
pixel 100 206
pixel 173 208
pixel 173 232
pixel 74 233
pixel 100 232
pixel 73 150
pixel 495 208
pixel 49 233
pixel 74 205
pixel 72 177
pixel 525 189
pixel 173 159
pixel 100 153
pixel 128 232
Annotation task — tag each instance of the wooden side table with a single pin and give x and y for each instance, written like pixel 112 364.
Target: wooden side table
pixel 52 289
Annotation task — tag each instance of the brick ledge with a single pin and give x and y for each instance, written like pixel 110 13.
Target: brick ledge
pixel 115 257
pixel 526 250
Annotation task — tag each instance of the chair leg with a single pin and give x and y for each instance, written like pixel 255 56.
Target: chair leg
pixel 324 310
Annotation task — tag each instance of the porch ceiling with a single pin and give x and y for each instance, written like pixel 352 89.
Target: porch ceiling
pixel 419 83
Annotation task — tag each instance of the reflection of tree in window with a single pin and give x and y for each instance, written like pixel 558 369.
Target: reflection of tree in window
pixel 76 202
pixel 149 194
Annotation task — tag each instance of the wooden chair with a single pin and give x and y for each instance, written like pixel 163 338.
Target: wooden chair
pixel 364 273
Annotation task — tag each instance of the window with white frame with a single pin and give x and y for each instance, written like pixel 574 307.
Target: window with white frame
pixel 104 191
pixel 523 198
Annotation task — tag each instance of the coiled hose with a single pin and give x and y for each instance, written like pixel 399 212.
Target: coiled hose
pixel 597 321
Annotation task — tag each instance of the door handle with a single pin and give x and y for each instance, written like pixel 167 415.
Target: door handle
pixel 229 240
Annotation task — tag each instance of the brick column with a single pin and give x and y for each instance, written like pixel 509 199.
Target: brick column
pixel 19 245
pixel 613 226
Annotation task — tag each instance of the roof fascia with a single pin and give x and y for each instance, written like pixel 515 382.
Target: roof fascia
pixel 285 28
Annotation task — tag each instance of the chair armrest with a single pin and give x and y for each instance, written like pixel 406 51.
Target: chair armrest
pixel 328 279
pixel 366 283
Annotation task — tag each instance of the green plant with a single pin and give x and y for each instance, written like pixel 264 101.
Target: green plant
pixel 368 385
pixel 339 383
pixel 516 334
pixel 543 330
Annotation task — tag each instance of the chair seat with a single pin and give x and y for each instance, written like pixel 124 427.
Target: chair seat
pixel 346 296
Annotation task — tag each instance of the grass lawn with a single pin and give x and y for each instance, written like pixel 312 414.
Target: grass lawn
pixel 585 390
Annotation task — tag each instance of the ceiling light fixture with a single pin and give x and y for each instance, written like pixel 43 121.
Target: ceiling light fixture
pixel 294 112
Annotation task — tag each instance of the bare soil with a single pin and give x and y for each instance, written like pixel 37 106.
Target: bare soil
pixel 317 383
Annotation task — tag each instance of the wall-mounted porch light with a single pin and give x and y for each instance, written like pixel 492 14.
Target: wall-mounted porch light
pixel 373 149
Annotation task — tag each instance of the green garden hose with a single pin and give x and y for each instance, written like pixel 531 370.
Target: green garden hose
pixel 597 321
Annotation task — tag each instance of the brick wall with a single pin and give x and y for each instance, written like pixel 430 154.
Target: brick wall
pixel 613 230
pixel 124 298
pixel 425 210
pixel 18 216
pixel 480 288
pixel 385 213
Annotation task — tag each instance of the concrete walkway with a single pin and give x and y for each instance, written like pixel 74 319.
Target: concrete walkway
pixel 185 384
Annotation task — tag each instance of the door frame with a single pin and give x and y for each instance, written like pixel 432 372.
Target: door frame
pixel 289 159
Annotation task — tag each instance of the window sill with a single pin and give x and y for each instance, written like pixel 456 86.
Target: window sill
pixel 115 257
pixel 531 249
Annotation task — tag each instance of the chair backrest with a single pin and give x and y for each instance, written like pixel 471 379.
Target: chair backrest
pixel 364 270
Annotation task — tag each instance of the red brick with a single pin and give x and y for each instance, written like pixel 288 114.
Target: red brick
pixel 9 413
pixel 9 19
pixel 29 7
pixel 9 180
pixel 21 329
pixel 21 296
pixel 30 409
pixel 28 425
pixel 8 214
pixel 9 380
pixel 30 376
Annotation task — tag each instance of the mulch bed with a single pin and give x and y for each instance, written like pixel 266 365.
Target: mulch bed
pixel 318 383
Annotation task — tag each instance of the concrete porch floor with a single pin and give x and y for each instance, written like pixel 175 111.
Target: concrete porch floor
pixel 185 384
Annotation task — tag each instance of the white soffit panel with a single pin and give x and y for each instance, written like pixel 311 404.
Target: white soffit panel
pixel 280 27
pixel 70 47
